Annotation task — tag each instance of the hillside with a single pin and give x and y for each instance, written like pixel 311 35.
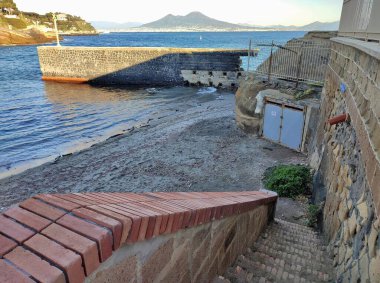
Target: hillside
pixel 18 27
pixel 194 20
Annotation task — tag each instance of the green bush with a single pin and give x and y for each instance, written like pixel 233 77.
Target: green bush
pixel 288 180
pixel 312 215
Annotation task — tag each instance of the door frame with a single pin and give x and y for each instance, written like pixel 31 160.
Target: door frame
pixel 284 104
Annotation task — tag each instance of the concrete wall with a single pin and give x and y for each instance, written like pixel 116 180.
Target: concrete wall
pixel 132 65
pixel 193 255
pixel 347 159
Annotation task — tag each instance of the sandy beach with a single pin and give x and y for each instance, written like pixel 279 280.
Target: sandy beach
pixel 193 146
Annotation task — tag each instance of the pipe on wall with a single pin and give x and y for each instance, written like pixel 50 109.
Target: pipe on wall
pixel 339 119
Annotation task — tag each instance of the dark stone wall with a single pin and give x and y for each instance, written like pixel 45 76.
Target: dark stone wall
pixel 130 65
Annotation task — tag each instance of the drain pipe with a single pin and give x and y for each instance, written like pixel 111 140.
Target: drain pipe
pixel 339 119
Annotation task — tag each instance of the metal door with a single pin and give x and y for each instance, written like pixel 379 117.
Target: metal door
pixel 284 125
pixel 292 127
pixel 272 122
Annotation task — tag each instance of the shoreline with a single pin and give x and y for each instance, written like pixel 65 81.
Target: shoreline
pixel 192 147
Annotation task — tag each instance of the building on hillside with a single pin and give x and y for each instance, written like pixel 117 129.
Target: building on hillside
pixel 62 17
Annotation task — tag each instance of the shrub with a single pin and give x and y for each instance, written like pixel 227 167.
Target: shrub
pixel 312 215
pixel 288 180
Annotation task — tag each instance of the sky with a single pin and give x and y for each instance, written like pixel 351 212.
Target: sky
pixel 259 12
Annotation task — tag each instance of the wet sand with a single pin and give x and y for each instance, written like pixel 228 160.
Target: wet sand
pixel 191 147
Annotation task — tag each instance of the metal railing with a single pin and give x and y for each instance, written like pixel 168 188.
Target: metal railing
pixel 360 19
pixel 296 60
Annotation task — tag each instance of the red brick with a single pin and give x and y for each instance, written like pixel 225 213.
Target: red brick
pixel 42 209
pixel 126 221
pixel 56 201
pixel 93 199
pixel 9 274
pixel 115 226
pixel 77 199
pixel 64 258
pixel 182 214
pixel 91 231
pixel 73 241
pixel 14 230
pixel 167 214
pixel 158 218
pixel 6 245
pixel 27 218
pixel 139 224
pixel 108 198
pixel 131 197
pixel 35 266
pixel 151 219
pixel 198 215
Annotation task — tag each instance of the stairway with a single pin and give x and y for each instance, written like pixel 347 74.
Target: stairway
pixel 285 252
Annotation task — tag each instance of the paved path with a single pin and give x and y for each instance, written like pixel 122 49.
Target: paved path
pixel 285 252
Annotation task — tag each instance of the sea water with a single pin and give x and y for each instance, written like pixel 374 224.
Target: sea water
pixel 40 121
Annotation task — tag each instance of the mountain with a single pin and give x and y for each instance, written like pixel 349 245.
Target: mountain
pixel 320 26
pixel 194 20
pixel 103 25
pixel 315 26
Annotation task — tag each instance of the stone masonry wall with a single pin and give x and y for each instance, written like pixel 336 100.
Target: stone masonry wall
pixel 347 158
pixel 133 65
pixel 192 255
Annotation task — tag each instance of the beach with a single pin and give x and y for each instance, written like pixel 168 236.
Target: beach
pixel 192 146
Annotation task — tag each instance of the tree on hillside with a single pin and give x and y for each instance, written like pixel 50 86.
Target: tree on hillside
pixel 8 5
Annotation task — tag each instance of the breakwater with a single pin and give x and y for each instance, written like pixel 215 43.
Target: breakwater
pixel 139 65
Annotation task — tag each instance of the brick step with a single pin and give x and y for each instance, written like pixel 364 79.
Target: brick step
pixel 289 229
pixel 295 228
pixel 270 273
pixel 304 271
pixel 296 259
pixel 291 246
pixel 285 252
pixel 240 275
pixel 292 237
pixel 293 225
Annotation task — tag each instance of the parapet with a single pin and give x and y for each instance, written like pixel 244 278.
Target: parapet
pixel 119 237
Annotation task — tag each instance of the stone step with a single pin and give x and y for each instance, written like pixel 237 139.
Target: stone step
pixel 285 252
pixel 302 239
pixel 290 246
pixel 292 231
pixel 270 273
pixel 304 271
pixel 295 258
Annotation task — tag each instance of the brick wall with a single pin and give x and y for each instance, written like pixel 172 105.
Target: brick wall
pixel 125 237
pixel 347 158
pixel 132 65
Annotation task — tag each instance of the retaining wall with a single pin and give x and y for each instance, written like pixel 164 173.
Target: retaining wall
pixel 132 65
pixel 125 237
pixel 347 158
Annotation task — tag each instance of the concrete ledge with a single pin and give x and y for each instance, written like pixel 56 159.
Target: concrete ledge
pixel 371 48
pixel 53 238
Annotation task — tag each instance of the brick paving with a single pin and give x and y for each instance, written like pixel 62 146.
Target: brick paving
pixel 285 252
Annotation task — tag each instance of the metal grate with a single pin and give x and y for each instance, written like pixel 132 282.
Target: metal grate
pixel 297 60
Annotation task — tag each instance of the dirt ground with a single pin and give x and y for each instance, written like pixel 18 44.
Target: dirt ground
pixel 193 147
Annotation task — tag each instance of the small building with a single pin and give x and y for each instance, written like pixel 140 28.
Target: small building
pixel 62 17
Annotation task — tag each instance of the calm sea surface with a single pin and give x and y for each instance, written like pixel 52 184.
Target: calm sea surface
pixel 40 121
